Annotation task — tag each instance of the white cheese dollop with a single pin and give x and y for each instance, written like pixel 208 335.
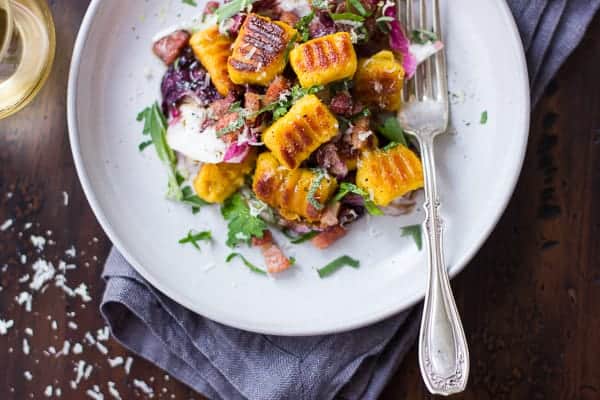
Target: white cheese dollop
pixel 300 7
pixel 186 136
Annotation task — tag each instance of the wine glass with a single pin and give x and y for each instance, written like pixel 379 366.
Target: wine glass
pixel 27 46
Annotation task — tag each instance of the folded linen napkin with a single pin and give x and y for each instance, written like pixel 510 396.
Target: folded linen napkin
pixel 225 363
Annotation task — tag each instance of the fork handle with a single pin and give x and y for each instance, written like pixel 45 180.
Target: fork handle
pixel 443 351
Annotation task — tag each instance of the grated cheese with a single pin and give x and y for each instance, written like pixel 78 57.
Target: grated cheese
pixel 143 386
pixel 7 224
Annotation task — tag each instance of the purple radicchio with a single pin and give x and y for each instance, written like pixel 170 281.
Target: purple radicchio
pixel 186 78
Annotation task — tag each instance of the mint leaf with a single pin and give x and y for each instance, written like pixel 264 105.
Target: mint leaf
pixel 190 3
pixel 338 263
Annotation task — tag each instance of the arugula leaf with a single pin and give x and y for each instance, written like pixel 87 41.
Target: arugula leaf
pixel 422 36
pixel 194 238
pixel 336 264
pixel 228 10
pixel 302 26
pixel 392 130
pixel 190 3
pixel 155 125
pixel 346 187
pixel 247 263
pixel 316 183
pixel 414 231
pixel 242 225
pixel 484 118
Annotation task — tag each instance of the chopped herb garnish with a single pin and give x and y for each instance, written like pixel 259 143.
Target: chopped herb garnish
pixel 247 263
pixel 346 16
pixel 228 10
pixel 190 3
pixel 336 264
pixel 392 131
pixel 193 238
pixel 414 231
pixel 320 4
pixel 303 238
pixel 484 118
pixel 302 27
pixel 347 187
pixel 190 198
pixel 422 36
pixel 142 146
pixel 316 183
pixel 281 106
pixel 242 225
pixel 358 6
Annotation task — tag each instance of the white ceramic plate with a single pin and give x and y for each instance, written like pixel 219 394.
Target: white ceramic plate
pixel 478 168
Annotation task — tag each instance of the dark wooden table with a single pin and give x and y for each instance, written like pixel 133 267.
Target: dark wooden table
pixel 530 299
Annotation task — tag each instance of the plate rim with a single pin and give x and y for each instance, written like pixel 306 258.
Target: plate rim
pixel 343 325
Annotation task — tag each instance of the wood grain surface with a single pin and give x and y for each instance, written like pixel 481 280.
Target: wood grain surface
pixel 530 299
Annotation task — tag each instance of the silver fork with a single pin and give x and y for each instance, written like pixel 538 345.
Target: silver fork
pixel 443 351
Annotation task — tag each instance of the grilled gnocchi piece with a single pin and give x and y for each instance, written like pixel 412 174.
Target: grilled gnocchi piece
pixel 389 174
pixel 216 182
pixel 306 126
pixel 259 51
pixel 379 80
pixel 289 191
pixel 213 49
pixel 323 60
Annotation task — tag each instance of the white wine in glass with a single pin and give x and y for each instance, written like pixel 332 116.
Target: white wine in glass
pixel 27 46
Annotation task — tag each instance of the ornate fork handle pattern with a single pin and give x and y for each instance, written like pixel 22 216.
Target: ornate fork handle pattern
pixel 443 351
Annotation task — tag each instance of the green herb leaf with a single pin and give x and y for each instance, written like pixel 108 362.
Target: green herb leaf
pixel 414 231
pixel 247 263
pixel 302 27
pixel 346 16
pixel 358 6
pixel 242 225
pixel 484 118
pixel 282 106
pixel 194 238
pixel 228 10
pixel 320 4
pixel 392 130
pixel 338 263
pixel 346 187
pixel 190 198
pixel 155 125
pixel 142 146
pixel 190 3
pixel 422 36
pixel 314 186
pixel 304 237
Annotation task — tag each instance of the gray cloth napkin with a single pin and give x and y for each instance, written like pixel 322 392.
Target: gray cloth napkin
pixel 225 363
